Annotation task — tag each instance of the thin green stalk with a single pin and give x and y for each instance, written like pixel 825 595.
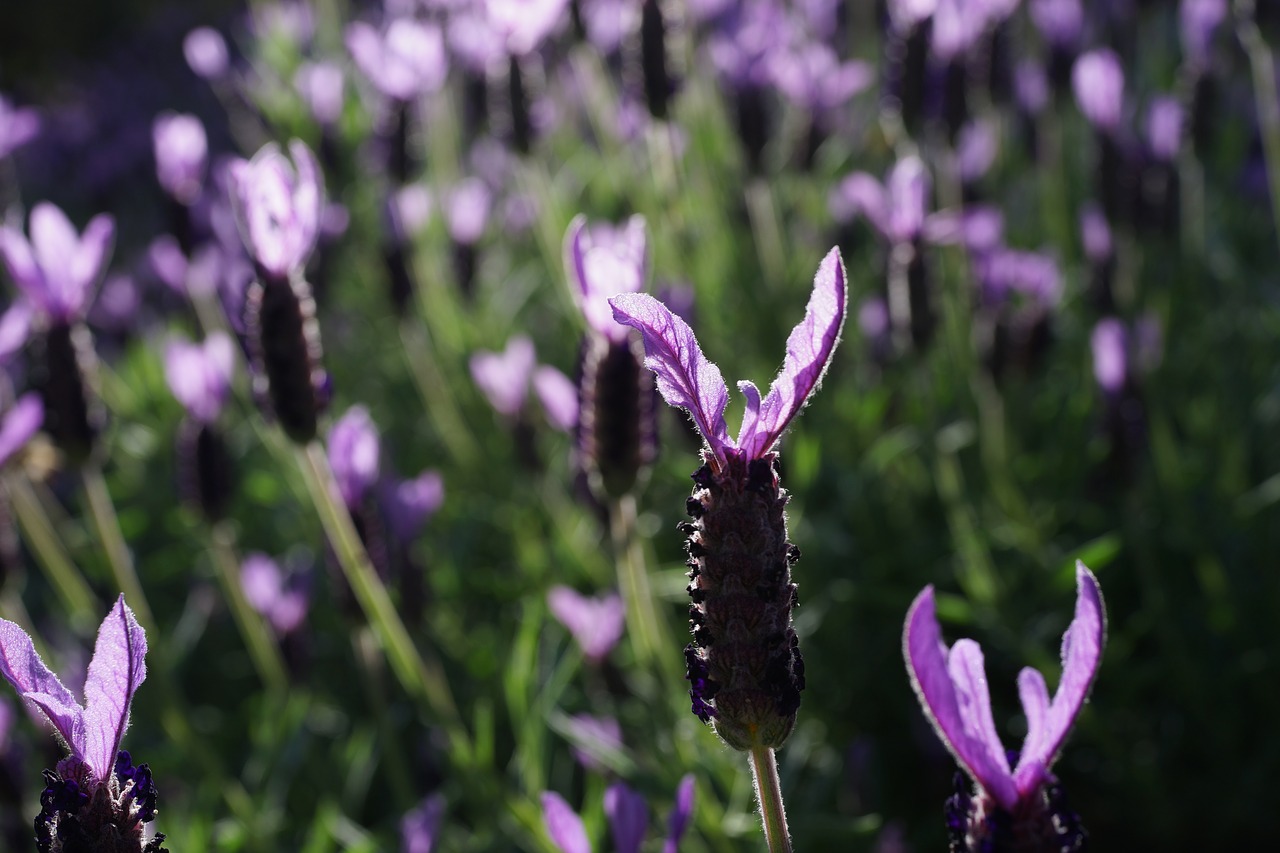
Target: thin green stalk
pixel 40 534
pixel 764 769
pixel 423 680
pixel 633 577
pixel 108 526
pixel 1266 98
pixel 437 397
pixel 767 232
pixel 253 629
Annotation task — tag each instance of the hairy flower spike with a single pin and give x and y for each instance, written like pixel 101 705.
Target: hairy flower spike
pixel 744 666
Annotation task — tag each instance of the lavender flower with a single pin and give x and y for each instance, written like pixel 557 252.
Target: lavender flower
pixel 410 503
pixel 15 329
pixel 96 790
pixel 1110 345
pixel 419 829
pixel 181 150
pixel 353 455
pixel 206 53
pixel 1098 82
pixel 1197 22
pixel 282 598
pixel 19 424
pixel 404 62
pixel 57 269
pixel 563 824
pixel 592 737
pixel 1164 128
pixel 745 655
pixel 628 816
pixel 558 396
pixel 18 126
pixel 277 205
pixel 1023 803
pixel 596 623
pixel 321 86
pixel 503 377
pixel 522 25
pixel 200 374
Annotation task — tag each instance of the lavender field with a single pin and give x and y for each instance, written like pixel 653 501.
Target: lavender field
pixel 639 425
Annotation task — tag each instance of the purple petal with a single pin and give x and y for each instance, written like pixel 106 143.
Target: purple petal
pixel 559 397
pixel 604 261
pixel 680 813
pixel 181 150
pixel 1164 127
pixel 19 424
pixel 563 825
pixel 419 828
pixel 592 737
pixel 931 678
pixel 466 210
pixel 1110 344
pixel 23 668
pixel 628 815
pixel 414 501
pixel 1098 82
pixel 117 670
pixel 354 452
pixel 21 263
pixel 596 623
pixel 504 377
pixel 90 257
pixel 206 52
pixel 860 193
pixel 15 327
pixel 685 378
pixel 200 375
pixel 809 351
pixel 262 582
pixel 1048 723
pixel 907 197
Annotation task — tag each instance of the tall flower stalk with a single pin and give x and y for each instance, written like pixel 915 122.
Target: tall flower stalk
pixel 744 665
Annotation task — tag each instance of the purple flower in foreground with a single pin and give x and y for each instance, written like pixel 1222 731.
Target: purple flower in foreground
pixel 181 149
pixel 17 425
pixel 18 126
pixel 206 52
pixel 745 656
pixel 57 269
pixel 96 790
pixel 1098 82
pixel 200 374
pixel 951 684
pixel 596 623
pixel 278 206
pixel 419 829
pixel 353 455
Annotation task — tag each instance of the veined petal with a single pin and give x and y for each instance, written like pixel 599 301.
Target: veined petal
pixel 685 378
pixel 809 351
pixel 628 817
pixel 1082 646
pixel 117 670
pixel 35 682
pixel 563 825
pixel 956 720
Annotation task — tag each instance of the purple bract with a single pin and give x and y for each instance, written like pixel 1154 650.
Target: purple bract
pixel 354 451
pixel 200 374
pixel 278 207
pixel 603 261
pixel 596 623
pixel 57 268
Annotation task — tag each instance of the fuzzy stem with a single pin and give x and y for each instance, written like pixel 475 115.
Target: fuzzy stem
pixel 253 630
pixel 764 769
pixel 633 577
pixel 108 526
pixel 44 541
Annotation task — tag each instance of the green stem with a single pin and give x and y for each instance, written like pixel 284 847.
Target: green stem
pixel 423 680
pixel 437 397
pixel 633 577
pixel 764 768
pixel 40 534
pixel 108 526
pixel 253 630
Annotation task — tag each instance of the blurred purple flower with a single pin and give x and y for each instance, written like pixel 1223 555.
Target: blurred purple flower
pixel 420 827
pixel 1098 82
pixel 292 21
pixel 1095 233
pixel 1110 345
pixel 814 78
pixel 743 47
pixel 905 14
pixel 405 62
pixel 181 151
pixel 1164 127
pixel 897 209
pixel 628 815
pixel 15 328
pixel 200 374
pixel 521 25
pixel 410 503
pixel 116 308
pixel 1031 86
pixel 1002 272
pixel 58 267
pixel 166 260
pixel 504 377
pixel 559 397
pixel 596 735
pixel 976 149
pixel 282 599
pixel 680 813
pixel 19 424
pixel 1060 22
pixel 206 53
pixel 466 209
pixel 321 86
pixel 278 208
pixel 952 688
pixel 596 623
pixel 957 26
pixel 609 22
pixel 472 39
pixel 604 260
pixel 1197 21
pixel 687 380
pixel 563 824
pixel 354 451
pixel 18 126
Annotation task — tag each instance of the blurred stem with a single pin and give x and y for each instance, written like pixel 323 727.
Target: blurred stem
pixel 253 629
pixel 1266 99
pixel 108 525
pixel 365 644
pixel 764 767
pixel 633 577
pixel 437 398
pixel 424 681
pixel 40 534
pixel 767 233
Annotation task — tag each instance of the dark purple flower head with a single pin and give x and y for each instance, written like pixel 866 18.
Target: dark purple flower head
pixel 951 685
pixel 1098 82
pixel 181 151
pixel 522 25
pixel 1197 21
pixel 596 623
pixel 19 423
pixel 321 86
pixel 602 261
pixel 687 380
pixel 200 374
pixel 814 78
pixel 354 455
pixel 1061 22
pixel 1164 128
pixel 206 53
pixel 466 209
pixel 897 209
pixel 18 126
pixel 278 206
pixel 405 62
pixel 57 269
pixel 96 786
pixel 282 598
pixel 504 377
pixel 420 828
